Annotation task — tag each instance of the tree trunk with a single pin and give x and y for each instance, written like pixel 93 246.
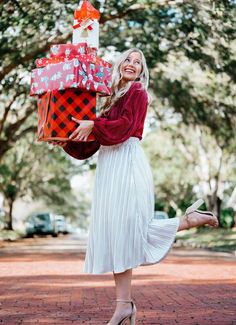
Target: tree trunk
pixel 4 147
pixel 214 205
pixel 8 219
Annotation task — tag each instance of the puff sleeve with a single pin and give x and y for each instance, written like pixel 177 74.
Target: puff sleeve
pixel 81 150
pixel 133 112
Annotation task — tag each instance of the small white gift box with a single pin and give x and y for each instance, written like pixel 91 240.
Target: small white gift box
pixel 86 31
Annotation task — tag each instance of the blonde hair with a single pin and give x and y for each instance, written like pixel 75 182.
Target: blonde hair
pixel 117 77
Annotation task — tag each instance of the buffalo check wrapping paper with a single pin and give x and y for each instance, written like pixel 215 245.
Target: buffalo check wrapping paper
pixel 55 109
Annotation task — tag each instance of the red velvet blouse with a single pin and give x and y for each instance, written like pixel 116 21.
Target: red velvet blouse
pixel 125 119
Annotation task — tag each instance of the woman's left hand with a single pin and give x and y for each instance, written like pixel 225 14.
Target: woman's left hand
pixel 83 130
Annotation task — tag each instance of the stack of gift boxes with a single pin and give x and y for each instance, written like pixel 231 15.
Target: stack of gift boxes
pixel 68 81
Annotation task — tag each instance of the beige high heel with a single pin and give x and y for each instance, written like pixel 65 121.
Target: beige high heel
pixel 131 317
pixel 194 207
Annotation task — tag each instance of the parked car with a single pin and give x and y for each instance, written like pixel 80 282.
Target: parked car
pixel 160 215
pixel 41 223
pixel 29 227
pixel 61 225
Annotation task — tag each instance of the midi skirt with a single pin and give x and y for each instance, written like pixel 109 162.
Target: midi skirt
pixel 123 233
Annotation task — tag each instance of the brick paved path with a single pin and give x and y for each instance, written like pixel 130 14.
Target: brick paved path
pixel 50 288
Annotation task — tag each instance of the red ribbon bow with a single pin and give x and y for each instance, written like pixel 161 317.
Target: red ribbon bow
pixel 79 25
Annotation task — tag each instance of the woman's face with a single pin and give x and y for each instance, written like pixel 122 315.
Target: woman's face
pixel 131 67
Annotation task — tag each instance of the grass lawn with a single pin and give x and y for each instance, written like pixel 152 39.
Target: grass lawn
pixel 221 240
pixel 9 235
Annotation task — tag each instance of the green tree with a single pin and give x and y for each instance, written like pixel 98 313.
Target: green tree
pixel 174 178
pixel 36 172
pixel 188 162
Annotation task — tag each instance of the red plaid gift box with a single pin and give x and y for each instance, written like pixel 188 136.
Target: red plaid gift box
pixel 55 109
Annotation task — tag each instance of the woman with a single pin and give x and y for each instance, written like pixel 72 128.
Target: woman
pixel 123 233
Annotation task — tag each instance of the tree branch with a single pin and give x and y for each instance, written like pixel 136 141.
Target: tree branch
pixel 13 128
pixel 27 130
pixel 11 132
pixel 7 109
pixel 30 56
pixel 119 15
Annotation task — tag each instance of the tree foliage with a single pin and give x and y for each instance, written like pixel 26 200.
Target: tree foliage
pixel 190 50
pixel 200 32
pixel 37 172
pixel 188 163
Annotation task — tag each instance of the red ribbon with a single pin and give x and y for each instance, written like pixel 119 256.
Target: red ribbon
pixel 79 25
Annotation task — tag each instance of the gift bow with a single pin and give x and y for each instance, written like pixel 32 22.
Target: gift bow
pixel 84 24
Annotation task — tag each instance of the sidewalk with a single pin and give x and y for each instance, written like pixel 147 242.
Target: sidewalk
pixel 50 288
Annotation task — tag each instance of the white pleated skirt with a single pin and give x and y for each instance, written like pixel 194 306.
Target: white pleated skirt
pixel 123 233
